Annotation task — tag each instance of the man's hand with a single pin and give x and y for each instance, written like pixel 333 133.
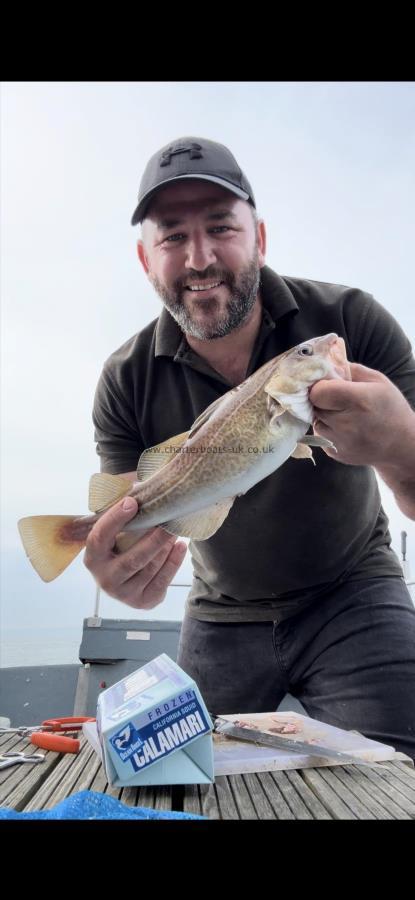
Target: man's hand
pixel 370 423
pixel 367 419
pixel 141 575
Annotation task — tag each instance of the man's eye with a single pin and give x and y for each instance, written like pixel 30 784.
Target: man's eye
pixel 218 229
pixel 174 237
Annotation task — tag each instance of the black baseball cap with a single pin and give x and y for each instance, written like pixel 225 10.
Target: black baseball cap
pixel 191 157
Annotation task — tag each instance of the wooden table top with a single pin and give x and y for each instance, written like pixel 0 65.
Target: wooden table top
pixel 338 792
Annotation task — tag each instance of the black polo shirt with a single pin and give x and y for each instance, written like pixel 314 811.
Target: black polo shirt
pixel 302 529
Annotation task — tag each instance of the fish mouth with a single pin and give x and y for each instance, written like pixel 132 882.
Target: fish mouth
pixel 334 346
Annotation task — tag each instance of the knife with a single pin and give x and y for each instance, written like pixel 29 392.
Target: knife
pixel 253 735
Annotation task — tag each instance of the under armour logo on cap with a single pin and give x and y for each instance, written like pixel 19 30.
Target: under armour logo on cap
pixel 191 157
pixel 194 151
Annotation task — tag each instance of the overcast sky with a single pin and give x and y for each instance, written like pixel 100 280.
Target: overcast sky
pixel 332 168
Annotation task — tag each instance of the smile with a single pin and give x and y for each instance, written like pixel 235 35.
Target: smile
pixel 203 287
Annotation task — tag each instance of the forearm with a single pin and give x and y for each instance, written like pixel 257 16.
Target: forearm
pixel 399 473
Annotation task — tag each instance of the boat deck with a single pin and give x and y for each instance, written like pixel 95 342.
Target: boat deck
pixel 339 792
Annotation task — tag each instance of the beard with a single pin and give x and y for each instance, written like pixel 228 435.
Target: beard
pixel 243 293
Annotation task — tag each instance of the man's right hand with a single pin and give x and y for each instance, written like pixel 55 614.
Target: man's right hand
pixel 141 575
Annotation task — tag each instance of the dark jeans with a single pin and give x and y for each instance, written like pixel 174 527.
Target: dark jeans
pixel 349 659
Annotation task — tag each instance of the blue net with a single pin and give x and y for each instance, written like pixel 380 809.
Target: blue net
pixel 92 805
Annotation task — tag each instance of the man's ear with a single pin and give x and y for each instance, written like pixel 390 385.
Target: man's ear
pixel 141 253
pixel 262 243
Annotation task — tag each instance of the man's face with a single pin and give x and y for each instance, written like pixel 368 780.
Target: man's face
pixel 202 252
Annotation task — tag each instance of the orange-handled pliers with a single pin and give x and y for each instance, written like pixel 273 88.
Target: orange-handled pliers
pixel 49 734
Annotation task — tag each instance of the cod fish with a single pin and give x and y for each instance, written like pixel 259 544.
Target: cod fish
pixel 189 483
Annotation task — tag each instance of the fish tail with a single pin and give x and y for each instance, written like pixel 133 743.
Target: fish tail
pixel 52 542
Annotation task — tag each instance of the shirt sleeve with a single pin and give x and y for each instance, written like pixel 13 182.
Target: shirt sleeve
pixel 119 442
pixel 379 342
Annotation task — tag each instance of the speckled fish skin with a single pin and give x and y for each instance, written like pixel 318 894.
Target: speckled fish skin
pixel 189 483
pixel 243 449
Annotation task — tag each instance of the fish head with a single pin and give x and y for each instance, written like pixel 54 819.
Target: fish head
pixel 298 369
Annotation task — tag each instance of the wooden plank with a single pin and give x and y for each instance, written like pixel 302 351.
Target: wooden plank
pixel 350 797
pixel 209 801
pixel 191 800
pixel 292 796
pixel 279 804
pixel 403 772
pixel 243 802
pixel 163 799
pixel 392 795
pixel 226 802
pixel 128 795
pixel 325 793
pixel 149 796
pixel 100 784
pixel 398 785
pixel 313 804
pixel 62 782
pixel 13 745
pixel 261 803
pixel 361 790
pixel 360 776
pixel 20 783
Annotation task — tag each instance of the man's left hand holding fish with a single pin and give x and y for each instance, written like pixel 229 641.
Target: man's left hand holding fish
pixel 370 423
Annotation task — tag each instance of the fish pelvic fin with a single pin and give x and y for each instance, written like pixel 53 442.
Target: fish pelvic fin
pixel 51 543
pixel 127 539
pixel 105 490
pixel 314 440
pixel 302 451
pixel 155 458
pixel 203 524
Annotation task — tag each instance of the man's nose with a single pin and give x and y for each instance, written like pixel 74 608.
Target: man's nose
pixel 200 253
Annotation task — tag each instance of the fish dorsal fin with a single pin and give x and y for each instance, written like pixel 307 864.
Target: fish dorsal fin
pixel 203 524
pixel 154 458
pixel 296 402
pixel 206 414
pixel 302 451
pixel 105 490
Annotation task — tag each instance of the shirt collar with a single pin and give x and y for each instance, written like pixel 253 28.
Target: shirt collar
pixel 277 301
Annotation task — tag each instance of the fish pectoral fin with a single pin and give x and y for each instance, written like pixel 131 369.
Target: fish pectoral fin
pixel 290 398
pixel 48 544
pixel 303 452
pixel 154 458
pixel 313 440
pixel 105 490
pixel 203 524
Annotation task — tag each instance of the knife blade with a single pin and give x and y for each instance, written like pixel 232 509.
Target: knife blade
pixel 253 735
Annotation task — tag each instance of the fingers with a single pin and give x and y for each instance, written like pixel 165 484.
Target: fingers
pixel 148 588
pixel 336 395
pixel 101 539
pixel 156 543
pixel 333 396
pixel 140 575
pixel 363 373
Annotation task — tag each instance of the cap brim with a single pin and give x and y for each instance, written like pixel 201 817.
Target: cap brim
pixel 140 210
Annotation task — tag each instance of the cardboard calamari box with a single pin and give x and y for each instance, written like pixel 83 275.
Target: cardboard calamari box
pixel 153 728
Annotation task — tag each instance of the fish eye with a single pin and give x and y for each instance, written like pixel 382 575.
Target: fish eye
pixel 305 351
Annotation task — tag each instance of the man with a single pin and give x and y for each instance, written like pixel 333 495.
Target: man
pixel 299 589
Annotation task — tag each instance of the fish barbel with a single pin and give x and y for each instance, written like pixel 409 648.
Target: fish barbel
pixel 189 483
